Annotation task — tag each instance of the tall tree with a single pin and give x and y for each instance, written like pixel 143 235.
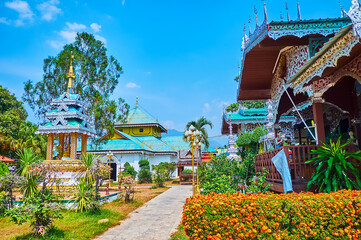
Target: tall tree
pixel 96 76
pixel 200 125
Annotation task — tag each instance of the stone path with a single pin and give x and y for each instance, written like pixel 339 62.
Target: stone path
pixel 157 219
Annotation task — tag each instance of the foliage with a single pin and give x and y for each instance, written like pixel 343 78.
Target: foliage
pixel 15 132
pixel 260 185
pixel 236 78
pixel 253 104
pixel 144 164
pixel 219 184
pixel 250 140
pixel 160 175
pixel 233 107
pixel 144 175
pixel 3 168
pixel 96 76
pixel 85 197
pixel 187 171
pixel 129 169
pixel 247 167
pixel 219 175
pixel 169 167
pixel 129 184
pixel 180 234
pixel 274 216
pixel 27 157
pixel 200 125
pixel 40 209
pixel 334 167
pixel 8 183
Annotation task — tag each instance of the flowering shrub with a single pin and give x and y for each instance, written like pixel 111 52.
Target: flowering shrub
pixel 334 215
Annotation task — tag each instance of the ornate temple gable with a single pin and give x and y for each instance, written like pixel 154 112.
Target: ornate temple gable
pixel 315 44
pixel 352 69
pixel 355 15
pixel 300 29
pixel 315 67
pixel 296 57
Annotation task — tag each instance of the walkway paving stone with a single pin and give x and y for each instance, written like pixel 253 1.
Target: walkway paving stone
pixel 157 219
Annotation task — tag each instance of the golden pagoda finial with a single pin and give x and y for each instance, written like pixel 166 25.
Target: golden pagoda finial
pixel 70 75
pixel 157 119
pixel 136 103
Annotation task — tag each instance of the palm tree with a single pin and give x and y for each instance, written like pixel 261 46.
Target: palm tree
pixel 200 125
pixel 28 157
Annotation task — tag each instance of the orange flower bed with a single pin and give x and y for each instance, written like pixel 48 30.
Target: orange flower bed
pixel 274 216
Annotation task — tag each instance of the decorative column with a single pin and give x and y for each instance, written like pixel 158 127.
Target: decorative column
pixel 318 117
pixel 83 143
pixel 73 146
pixel 356 120
pixel 49 149
pixel 61 145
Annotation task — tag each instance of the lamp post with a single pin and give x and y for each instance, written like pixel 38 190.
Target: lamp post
pixel 198 147
pixel 110 156
pixel 190 135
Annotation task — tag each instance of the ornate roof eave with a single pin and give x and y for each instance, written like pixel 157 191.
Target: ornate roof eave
pixel 65 129
pixel 257 119
pixel 133 151
pixel 66 115
pixel 339 46
pixel 142 125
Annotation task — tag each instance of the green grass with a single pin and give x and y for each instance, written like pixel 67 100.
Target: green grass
pixel 180 234
pixel 80 225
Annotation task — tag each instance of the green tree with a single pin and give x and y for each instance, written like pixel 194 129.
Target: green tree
pixel 144 174
pixel 129 170
pixel 200 125
pixel 160 175
pixel 3 168
pixel 96 76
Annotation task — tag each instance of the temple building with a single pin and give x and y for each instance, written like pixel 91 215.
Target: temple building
pixel 140 137
pixel 67 125
pixel 311 70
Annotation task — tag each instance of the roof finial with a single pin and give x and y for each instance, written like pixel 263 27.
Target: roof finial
pixel 281 16
pixel 298 10
pixel 136 102
pixel 249 25
pixel 288 14
pixel 70 75
pixel 265 11
pixel 255 12
pixel 157 120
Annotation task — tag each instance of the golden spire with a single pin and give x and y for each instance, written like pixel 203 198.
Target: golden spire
pixel 136 103
pixel 70 75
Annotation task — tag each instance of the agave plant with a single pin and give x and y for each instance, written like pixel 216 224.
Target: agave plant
pixel 334 170
pixel 83 197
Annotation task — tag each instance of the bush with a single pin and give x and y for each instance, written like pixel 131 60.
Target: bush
pixel 187 171
pixel 169 167
pixel 160 175
pixel 3 168
pixel 145 176
pixel 334 170
pixel 219 184
pixel 334 215
pixel 129 170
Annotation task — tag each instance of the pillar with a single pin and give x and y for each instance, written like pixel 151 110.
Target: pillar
pixel 356 117
pixel 318 118
pixel 83 143
pixel 49 149
pixel 73 146
pixel 61 145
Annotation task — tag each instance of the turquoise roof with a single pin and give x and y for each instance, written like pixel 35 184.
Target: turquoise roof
pixel 253 111
pixel 138 116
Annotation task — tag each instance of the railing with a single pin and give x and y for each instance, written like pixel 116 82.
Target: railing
pixel 296 155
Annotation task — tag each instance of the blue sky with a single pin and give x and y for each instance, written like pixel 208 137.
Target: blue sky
pixel 179 56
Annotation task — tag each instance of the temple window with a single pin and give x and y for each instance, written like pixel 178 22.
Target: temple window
pixel 141 130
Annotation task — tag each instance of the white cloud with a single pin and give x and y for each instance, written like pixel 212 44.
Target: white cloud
pixel 95 27
pixel 49 10
pixel 55 44
pixel 23 9
pixel 206 108
pixel 75 26
pixel 132 85
pixel 100 38
pixel 4 20
pixel 68 36
pixel 123 2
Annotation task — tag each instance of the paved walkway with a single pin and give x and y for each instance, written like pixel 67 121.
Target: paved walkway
pixel 157 219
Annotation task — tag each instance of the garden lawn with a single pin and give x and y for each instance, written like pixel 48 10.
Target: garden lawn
pixel 82 225
pixel 180 234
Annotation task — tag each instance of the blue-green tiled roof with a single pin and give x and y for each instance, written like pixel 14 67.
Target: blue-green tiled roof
pixel 138 116
pixel 253 111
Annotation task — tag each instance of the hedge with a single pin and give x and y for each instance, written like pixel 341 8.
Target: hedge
pixel 274 216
